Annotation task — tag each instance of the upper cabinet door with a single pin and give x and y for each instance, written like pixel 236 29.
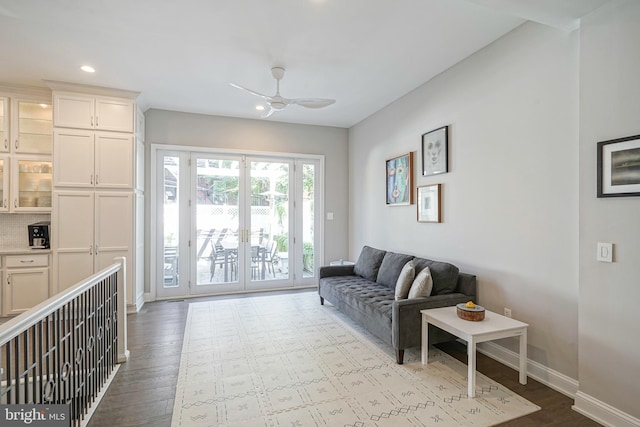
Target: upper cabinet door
pixel 4 125
pixel 114 114
pixel 4 184
pixel 73 158
pixel 32 126
pixel 73 111
pixel 91 112
pixel 114 160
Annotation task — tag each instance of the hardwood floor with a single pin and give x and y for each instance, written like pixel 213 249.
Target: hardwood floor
pixel 143 391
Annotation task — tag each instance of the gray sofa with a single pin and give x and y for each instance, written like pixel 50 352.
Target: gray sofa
pixel 366 293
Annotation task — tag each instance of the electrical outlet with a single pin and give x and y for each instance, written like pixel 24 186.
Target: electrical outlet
pixel 507 312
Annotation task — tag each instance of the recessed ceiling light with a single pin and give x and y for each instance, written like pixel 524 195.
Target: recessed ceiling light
pixel 260 107
pixel 44 105
pixel 88 69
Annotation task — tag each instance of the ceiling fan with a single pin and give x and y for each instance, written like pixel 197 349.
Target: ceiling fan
pixel 278 103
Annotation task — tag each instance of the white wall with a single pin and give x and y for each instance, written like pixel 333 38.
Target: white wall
pixel 510 200
pixel 176 128
pixel 609 313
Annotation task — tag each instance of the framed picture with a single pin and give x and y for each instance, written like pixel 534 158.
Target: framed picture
pixel 619 167
pixel 429 206
pixel 435 151
pixel 399 173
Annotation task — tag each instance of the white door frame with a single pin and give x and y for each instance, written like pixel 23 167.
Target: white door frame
pixel 155 258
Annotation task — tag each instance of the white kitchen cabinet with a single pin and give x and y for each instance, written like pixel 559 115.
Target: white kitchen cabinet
pixel 88 159
pixel 4 125
pixel 4 184
pixel 72 110
pixel 25 282
pixel 30 184
pixel 91 229
pixel 31 126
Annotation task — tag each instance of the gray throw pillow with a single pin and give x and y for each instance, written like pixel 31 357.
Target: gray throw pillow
pixel 422 285
pixel 445 275
pixel 390 269
pixel 368 263
pixel 405 280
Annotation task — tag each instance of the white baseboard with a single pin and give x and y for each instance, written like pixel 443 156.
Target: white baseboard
pixel 134 308
pixel 602 413
pixel 584 404
pixel 543 374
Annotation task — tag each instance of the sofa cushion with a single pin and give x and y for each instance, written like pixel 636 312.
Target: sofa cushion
pixel 390 269
pixel 445 275
pixel 405 280
pixel 368 263
pixel 422 286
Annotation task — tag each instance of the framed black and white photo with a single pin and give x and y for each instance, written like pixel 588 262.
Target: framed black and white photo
pixel 429 206
pixel 619 167
pixel 435 151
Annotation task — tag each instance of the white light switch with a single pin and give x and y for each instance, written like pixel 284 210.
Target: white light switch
pixel 330 216
pixel 605 252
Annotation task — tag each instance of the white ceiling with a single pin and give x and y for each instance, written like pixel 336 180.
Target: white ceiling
pixel 182 54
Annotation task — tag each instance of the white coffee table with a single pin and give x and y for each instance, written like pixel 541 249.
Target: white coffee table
pixel 493 327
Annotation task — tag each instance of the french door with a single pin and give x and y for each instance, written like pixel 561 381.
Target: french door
pixel 233 223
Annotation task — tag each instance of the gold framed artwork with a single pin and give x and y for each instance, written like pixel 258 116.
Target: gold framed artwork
pixel 429 203
pixel 399 180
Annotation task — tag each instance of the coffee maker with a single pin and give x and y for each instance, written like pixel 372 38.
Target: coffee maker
pixel 39 235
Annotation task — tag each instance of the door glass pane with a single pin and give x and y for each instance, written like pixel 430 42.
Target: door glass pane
pixel 308 218
pixel 269 220
pixel 217 220
pixel 34 184
pixel 171 216
pixel 35 127
pixel 2 201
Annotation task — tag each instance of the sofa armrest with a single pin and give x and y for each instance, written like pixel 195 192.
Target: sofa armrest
pixel 407 320
pixel 335 270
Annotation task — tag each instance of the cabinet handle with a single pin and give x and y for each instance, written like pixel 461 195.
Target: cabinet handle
pixel 96 249
pixel 9 279
pixel 91 121
pixel 96 179
pixel 91 179
pixel 15 203
pixel 97 121
pixel 6 144
pixel 26 261
pixel 17 143
pixel 91 250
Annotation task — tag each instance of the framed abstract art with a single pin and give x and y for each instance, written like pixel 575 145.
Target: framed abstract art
pixel 399 180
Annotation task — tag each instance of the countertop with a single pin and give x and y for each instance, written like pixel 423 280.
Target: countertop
pixel 25 250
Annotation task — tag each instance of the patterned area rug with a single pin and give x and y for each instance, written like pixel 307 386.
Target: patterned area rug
pixel 286 360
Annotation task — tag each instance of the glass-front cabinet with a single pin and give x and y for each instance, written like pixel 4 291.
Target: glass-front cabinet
pixel 4 125
pixel 4 184
pixel 31 184
pixel 32 127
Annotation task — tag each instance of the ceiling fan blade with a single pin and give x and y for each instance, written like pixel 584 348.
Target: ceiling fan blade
pixel 268 113
pixel 312 102
pixel 252 92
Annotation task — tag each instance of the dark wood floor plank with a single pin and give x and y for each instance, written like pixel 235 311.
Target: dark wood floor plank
pixel 142 393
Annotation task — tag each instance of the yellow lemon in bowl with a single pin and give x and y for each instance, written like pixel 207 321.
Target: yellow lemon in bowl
pixel 470 304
